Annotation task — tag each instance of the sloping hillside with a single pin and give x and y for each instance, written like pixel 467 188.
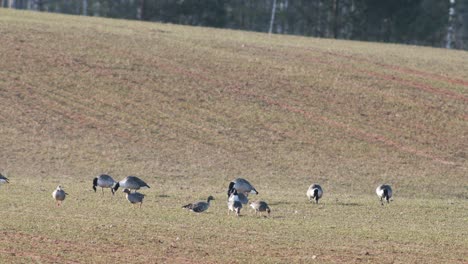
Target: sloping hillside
pixel 189 109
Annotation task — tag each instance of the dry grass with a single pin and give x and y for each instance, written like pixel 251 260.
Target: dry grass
pixel 189 109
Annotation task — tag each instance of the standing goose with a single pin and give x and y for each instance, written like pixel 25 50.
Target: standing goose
pixel 243 188
pixel 131 183
pixel 3 179
pixel 384 192
pixel 314 192
pixel 104 181
pixel 234 204
pixel 134 197
pixel 260 206
pixel 199 207
pixel 59 195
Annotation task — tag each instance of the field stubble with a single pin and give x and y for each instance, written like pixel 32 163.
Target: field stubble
pixel 189 109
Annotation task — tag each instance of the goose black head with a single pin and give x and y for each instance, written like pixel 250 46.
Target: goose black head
pixel 126 191
pixel 230 189
pixel 210 198
pixel 116 187
pixel 95 184
pixel 316 193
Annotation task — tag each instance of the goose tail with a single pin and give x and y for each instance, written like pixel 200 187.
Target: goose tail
pixel 385 193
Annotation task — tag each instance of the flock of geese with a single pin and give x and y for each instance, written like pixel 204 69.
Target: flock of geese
pixel 238 192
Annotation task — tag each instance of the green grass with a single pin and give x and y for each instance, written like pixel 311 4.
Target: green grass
pixel 189 109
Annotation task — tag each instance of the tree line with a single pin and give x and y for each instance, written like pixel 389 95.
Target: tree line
pixel 438 23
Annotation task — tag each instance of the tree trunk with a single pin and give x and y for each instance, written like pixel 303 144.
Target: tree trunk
pixel 272 20
pixel 85 8
pixel 141 10
pixel 450 39
pixel 336 17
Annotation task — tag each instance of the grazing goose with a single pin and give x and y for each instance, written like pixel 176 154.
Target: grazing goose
pixel 134 197
pixel 59 195
pixel 243 198
pixel 104 181
pixel 199 207
pixel 242 186
pixel 3 179
pixel 260 206
pixel 234 204
pixel 131 183
pixel 314 192
pixel 384 191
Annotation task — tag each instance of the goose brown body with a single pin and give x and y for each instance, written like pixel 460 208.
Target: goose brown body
pixel 200 206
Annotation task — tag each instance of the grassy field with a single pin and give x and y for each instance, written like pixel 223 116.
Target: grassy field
pixel 189 109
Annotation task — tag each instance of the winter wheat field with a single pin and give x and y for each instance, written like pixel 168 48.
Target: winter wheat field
pixel 188 109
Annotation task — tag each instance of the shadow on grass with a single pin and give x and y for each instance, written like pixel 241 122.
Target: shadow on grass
pixel 349 204
pixel 279 203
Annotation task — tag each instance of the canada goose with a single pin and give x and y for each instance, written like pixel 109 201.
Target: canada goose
pixel 131 183
pixel 104 181
pixel 242 186
pixel 234 204
pixel 199 207
pixel 384 191
pixel 3 179
pixel 260 206
pixel 314 192
pixel 59 195
pixel 134 197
